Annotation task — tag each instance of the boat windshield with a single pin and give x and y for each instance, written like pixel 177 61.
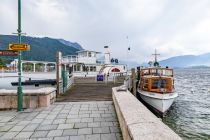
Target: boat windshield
pixel 157 72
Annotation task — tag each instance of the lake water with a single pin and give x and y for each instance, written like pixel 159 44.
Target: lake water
pixel 189 116
pixel 7 78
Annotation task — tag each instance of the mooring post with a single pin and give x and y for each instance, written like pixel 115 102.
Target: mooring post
pixel 133 77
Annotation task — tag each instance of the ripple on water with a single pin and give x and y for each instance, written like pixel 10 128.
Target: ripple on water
pixel 189 116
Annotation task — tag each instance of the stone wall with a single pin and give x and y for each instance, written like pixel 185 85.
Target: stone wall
pixel 136 121
pixel 33 98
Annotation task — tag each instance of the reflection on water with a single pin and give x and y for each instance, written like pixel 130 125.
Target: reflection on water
pixel 189 116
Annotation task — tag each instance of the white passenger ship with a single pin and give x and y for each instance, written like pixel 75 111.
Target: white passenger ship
pixel 86 63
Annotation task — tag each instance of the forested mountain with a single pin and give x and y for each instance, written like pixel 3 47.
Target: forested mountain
pixel 41 49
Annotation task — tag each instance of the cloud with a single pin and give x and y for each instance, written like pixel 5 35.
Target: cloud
pixel 173 27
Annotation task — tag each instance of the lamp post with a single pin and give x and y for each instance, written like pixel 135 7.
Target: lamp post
pixel 19 89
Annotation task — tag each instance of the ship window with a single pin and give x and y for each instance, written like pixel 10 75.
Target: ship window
pixel 158 84
pixel 145 83
pixel 94 68
pixel 89 54
pixel 146 71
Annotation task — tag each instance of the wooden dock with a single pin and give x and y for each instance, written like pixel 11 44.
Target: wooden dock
pixel 88 92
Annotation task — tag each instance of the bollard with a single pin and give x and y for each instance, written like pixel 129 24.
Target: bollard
pixel 133 77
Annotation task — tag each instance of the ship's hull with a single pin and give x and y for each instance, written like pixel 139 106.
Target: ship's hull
pixel 160 102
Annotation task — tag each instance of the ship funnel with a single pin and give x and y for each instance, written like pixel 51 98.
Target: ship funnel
pixel 106 55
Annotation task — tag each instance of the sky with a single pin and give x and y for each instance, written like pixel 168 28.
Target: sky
pixel 173 27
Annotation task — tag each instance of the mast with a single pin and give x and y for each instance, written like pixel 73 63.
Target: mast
pixel 156 55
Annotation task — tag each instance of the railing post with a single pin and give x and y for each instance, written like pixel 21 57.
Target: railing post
pixel 58 71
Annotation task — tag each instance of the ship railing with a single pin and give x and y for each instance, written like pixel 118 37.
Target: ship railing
pixel 70 59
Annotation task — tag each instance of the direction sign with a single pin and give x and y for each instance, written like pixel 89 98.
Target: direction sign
pixel 19 47
pixel 8 53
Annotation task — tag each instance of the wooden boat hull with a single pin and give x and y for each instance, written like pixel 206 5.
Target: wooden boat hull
pixel 160 102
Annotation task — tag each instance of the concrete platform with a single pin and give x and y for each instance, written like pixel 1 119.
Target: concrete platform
pixel 136 121
pixel 62 121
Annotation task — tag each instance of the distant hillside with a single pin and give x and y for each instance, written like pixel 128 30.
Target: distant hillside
pixel 41 49
pixel 68 43
pixel 187 61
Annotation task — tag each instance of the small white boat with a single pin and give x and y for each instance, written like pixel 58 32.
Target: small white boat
pixel 161 102
pixel 156 87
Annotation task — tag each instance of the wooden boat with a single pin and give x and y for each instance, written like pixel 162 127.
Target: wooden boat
pixel 156 87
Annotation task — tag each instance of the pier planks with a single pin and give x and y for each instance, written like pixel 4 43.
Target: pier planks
pixel 88 92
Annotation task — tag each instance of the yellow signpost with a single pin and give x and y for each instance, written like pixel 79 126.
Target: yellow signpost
pixel 19 47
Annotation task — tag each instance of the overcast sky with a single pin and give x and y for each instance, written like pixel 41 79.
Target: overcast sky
pixel 173 27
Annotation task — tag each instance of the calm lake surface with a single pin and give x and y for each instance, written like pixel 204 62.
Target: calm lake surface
pixel 7 78
pixel 189 116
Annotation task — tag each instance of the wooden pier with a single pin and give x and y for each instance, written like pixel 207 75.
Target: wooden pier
pixel 88 92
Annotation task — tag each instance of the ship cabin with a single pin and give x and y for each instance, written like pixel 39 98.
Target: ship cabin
pixel 157 79
pixel 84 61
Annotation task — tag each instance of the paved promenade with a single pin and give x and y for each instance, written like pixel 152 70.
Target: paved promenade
pixel 62 121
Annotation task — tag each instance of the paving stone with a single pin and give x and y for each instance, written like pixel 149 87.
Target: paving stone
pixel 62 116
pixel 62 138
pixel 98 130
pixel 17 128
pixel 37 120
pixel 66 126
pixel 41 116
pixel 94 124
pixel 31 127
pixel 85 131
pixel 80 125
pixel 73 112
pixel 59 121
pixel 96 112
pixel 9 135
pixel 65 111
pixel 73 120
pixel 110 119
pixel 72 116
pixel 106 115
pixel 84 108
pixel 45 139
pixel 87 120
pixel 114 129
pixel 93 137
pixel 24 135
pixel 70 132
pixel 106 124
pixel 82 137
pixel 47 122
pixel 99 120
pixel 54 133
pixel 50 117
pixel 47 127
pixel 103 108
pixel 5 128
pixel 85 112
pixel 93 108
pixel 96 115
pixel 39 134
pixel 108 136
pixel 23 123
pixel 84 115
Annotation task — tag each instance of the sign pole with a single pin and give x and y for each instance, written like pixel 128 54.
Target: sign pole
pixel 19 90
